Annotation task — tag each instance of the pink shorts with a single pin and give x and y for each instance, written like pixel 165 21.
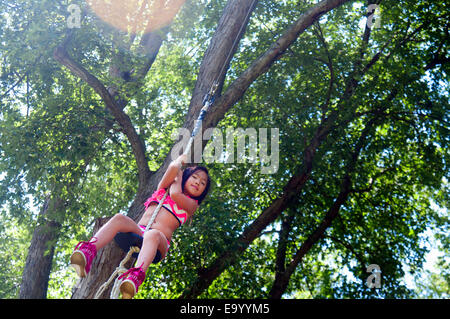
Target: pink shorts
pixel 143 231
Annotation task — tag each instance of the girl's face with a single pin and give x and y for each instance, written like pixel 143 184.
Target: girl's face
pixel 196 183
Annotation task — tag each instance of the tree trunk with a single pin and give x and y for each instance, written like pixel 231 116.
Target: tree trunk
pixel 40 254
pixel 282 277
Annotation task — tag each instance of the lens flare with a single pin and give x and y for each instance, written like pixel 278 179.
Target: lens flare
pixel 136 16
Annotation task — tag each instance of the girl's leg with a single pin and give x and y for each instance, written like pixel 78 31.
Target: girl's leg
pixel 153 240
pixel 85 252
pixel 119 223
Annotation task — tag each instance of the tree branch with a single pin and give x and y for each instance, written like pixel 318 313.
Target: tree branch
pixel 358 256
pixel 280 260
pixel 282 279
pixel 217 58
pixel 137 145
pixel 329 64
pixel 237 89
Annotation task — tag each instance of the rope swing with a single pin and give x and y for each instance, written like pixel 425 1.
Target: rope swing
pixel 134 240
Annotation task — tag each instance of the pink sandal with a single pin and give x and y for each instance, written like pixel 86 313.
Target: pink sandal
pixel 81 259
pixel 134 277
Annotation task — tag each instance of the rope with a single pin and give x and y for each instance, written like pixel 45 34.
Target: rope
pixel 207 102
pixel 121 269
pixel 156 211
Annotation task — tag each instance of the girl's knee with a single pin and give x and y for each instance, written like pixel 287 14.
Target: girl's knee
pixel 122 218
pixel 122 222
pixel 152 235
pixel 118 218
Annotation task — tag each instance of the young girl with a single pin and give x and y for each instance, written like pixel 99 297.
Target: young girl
pixel 187 189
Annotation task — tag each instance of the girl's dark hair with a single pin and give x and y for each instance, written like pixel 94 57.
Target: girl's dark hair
pixel 191 170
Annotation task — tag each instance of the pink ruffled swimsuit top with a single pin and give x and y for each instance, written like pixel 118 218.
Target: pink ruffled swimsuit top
pixel 169 204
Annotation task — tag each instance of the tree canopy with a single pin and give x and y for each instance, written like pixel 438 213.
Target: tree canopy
pixel 89 116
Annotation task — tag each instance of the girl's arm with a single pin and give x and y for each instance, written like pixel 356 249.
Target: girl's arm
pixel 183 201
pixel 172 171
